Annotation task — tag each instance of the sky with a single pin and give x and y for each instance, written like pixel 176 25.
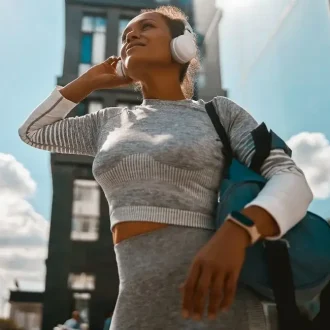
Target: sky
pixel 275 62
pixel 32 34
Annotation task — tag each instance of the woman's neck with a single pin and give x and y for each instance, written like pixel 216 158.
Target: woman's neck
pixel 162 86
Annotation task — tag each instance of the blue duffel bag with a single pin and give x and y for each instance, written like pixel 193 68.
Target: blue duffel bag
pixel 293 270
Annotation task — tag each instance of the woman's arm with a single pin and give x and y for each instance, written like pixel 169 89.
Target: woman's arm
pixel 280 205
pixel 47 128
pixel 284 200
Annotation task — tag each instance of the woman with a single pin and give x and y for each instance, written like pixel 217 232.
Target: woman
pixel 159 166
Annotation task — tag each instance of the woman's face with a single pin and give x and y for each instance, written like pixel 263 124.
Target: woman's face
pixel 146 41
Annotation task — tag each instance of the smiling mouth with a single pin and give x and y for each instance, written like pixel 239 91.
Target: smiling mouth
pixel 133 47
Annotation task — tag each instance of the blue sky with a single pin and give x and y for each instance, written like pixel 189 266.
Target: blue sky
pixel 286 84
pixel 32 34
pixel 276 63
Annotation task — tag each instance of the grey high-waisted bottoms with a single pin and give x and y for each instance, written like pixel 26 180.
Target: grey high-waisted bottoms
pixel 152 267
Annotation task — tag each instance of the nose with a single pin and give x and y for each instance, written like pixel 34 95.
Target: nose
pixel 132 35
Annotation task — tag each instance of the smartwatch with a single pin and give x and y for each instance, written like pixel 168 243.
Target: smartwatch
pixel 246 223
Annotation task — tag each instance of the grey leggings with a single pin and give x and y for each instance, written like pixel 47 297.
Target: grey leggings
pixel 151 268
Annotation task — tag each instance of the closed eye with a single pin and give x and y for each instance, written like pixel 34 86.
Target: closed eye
pixel 145 26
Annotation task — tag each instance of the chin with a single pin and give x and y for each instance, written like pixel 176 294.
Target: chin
pixel 137 61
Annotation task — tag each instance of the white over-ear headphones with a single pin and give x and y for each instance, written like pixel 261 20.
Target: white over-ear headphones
pixel 183 49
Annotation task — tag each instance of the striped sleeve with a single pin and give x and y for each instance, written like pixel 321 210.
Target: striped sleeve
pixel 47 128
pixel 279 196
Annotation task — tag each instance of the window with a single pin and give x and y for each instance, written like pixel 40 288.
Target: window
pixel 88 106
pixel 94 106
pixel 126 105
pixel 122 25
pixel 81 108
pixel 81 281
pixel 93 42
pixel 85 210
pixel 81 304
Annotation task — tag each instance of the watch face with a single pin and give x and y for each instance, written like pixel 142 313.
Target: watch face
pixel 242 219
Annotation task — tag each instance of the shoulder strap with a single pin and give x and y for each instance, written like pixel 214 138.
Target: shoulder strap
pixel 210 109
pixel 281 279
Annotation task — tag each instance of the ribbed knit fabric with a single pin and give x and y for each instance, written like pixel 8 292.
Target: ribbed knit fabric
pixel 162 161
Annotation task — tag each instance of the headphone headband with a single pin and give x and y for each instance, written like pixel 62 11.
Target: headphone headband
pixel 187 27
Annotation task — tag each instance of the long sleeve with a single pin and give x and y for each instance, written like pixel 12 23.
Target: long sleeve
pixel 286 196
pixel 47 128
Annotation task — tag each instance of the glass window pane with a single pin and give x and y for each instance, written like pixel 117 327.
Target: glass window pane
pixel 100 24
pixel 99 40
pixel 81 281
pixel 83 68
pixel 122 25
pixel 81 109
pixel 130 106
pixel 86 48
pixel 82 304
pixel 86 200
pixel 94 106
pixel 85 228
pixel 87 24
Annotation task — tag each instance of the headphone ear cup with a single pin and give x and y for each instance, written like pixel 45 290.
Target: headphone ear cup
pixel 120 69
pixel 183 48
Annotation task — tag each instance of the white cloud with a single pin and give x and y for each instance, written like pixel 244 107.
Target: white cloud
pixel 311 152
pixel 23 232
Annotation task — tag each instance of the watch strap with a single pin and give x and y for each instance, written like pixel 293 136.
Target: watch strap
pixel 246 223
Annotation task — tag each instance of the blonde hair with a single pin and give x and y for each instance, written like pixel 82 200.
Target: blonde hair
pixel 176 20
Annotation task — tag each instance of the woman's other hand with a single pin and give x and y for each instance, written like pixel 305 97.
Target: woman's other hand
pixel 214 273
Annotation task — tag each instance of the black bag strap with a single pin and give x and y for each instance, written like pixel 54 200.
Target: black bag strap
pixel 262 143
pixel 210 109
pixel 280 274
pixel 260 135
pixel 323 317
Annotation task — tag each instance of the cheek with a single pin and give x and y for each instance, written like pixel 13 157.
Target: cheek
pixel 160 50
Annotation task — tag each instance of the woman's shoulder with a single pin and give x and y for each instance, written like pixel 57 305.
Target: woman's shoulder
pixel 108 112
pixel 223 105
pixel 227 109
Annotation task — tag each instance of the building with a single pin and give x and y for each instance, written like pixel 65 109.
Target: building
pixel 81 265
pixel 206 24
pixel 26 309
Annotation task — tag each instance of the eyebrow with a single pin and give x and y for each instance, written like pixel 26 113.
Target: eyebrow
pixel 138 22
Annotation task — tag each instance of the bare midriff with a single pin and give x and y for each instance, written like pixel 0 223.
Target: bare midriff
pixel 127 229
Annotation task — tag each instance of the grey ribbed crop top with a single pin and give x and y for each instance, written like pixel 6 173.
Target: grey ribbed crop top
pixel 161 161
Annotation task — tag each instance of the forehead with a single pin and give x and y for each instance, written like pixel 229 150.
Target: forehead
pixel 145 16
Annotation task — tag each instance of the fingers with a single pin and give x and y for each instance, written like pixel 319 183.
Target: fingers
pixel 201 293
pixel 112 61
pixel 201 284
pixel 216 295
pixel 229 291
pixel 188 289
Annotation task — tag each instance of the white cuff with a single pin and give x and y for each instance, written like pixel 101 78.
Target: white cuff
pixel 55 107
pixel 286 197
